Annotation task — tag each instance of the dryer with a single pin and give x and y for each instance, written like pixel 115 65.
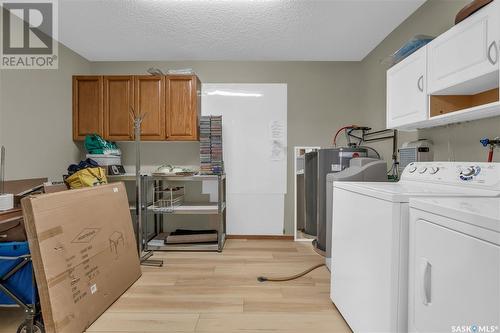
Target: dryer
pixel 454 265
pixel 369 281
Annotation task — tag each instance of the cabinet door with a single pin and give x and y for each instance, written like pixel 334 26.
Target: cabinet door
pixel 87 106
pixel 118 98
pixel 468 52
pixel 406 91
pixel 454 280
pixel 183 107
pixel 150 101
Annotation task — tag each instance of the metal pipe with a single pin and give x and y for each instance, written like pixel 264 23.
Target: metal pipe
pixel 138 181
pixel 379 139
pixel 395 145
pixel 381 131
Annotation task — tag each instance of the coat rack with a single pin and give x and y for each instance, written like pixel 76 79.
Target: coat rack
pixel 144 256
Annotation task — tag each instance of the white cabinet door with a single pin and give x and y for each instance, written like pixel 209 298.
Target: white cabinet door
pixel 464 60
pixel 407 92
pixel 454 280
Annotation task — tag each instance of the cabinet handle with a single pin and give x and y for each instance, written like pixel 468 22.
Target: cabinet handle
pixel 425 274
pixel 420 84
pixel 493 45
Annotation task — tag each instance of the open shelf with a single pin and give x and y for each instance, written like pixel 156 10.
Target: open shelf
pixel 444 104
pixel 127 177
pixel 473 113
pixel 151 246
pixel 185 247
pixel 201 208
pixel 195 178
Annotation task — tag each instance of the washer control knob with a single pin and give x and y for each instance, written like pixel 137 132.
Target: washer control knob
pixel 433 170
pixel 467 172
pixel 422 170
pixel 412 169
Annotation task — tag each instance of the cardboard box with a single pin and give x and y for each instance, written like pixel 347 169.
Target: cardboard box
pixel 53 187
pixel 84 253
pixel 22 187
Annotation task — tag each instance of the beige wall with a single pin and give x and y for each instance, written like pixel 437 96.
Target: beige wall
pixel 36 118
pixel 321 97
pixel 35 105
pixel 458 142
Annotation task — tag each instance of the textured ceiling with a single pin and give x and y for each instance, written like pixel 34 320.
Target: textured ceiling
pixel 228 29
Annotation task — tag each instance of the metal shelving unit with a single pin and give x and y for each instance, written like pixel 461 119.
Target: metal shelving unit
pixel 145 202
pixel 186 208
pixel 189 208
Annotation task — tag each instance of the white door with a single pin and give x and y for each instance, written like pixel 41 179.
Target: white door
pixel 454 280
pixel 467 53
pixel 255 146
pixel 406 91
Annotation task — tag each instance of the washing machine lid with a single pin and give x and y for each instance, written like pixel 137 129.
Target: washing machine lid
pixel 402 191
pixel 481 212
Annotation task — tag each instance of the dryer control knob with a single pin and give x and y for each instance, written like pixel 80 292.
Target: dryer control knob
pixel 412 169
pixel 422 170
pixel 433 170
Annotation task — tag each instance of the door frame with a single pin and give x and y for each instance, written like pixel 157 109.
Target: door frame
pixel 296 149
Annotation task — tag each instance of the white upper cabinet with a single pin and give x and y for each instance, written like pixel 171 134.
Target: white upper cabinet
pixel 407 91
pixel 464 60
pixel 454 78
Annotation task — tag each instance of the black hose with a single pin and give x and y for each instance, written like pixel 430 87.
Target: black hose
pixel 372 149
pixel 289 278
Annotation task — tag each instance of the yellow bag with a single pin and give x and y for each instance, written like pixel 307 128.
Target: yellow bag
pixel 87 177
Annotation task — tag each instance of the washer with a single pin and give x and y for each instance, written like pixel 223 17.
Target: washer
pixel 369 283
pixel 454 265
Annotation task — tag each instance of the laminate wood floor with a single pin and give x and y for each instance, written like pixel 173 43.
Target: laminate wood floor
pixel 212 292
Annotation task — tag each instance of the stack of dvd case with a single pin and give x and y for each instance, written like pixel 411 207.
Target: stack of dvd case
pixel 211 156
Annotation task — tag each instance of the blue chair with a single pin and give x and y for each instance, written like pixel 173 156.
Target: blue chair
pixel 17 284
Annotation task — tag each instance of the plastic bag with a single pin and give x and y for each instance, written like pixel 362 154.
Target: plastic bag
pixel 87 178
pixel 95 144
pixel 408 48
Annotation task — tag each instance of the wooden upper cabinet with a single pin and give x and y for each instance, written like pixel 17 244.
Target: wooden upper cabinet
pixel 87 106
pixel 182 107
pixel 118 99
pixel 149 99
pixel 172 105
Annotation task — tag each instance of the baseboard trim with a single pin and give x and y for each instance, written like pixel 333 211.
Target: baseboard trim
pixel 261 237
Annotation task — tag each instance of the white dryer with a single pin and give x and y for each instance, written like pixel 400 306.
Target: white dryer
pixel 454 269
pixel 369 283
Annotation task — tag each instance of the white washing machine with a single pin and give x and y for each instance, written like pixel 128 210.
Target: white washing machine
pixel 454 265
pixel 369 283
